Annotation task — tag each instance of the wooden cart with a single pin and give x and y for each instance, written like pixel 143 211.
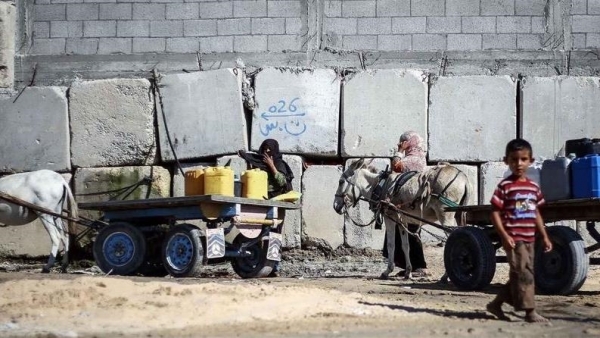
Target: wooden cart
pixel 150 233
pixel 470 252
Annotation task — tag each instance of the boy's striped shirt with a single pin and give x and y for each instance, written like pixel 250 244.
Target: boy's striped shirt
pixel 518 201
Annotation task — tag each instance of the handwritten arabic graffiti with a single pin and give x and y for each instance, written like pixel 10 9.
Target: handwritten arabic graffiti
pixel 284 118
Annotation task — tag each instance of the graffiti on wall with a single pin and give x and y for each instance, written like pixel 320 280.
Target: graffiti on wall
pixel 283 117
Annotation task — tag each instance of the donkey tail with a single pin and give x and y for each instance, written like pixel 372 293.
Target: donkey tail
pixel 465 198
pixel 73 209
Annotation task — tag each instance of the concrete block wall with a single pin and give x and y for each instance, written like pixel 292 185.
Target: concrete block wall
pixel 144 26
pixel 435 25
pixel 129 27
pixel 467 121
pixel 7 44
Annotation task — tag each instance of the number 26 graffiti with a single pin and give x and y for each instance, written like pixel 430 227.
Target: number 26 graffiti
pixel 283 117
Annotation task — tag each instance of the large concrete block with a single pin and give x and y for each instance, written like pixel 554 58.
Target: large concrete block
pixel 491 173
pixel 120 183
pixel 292 224
pixel 471 118
pixel 367 236
pixel 7 44
pixel 380 105
pixel 556 109
pixel 321 225
pixel 112 123
pixel 204 114
pixel 35 130
pixel 30 240
pixel 299 108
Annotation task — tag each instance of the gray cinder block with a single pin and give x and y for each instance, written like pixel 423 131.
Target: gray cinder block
pixel 7 44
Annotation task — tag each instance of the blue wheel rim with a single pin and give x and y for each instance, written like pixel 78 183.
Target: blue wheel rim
pixel 119 249
pixel 180 251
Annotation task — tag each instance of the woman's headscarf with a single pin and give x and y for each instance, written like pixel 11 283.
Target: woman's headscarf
pixel 414 159
pixel 256 160
pixel 415 143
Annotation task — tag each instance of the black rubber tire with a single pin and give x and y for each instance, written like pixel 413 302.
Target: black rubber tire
pixel 119 249
pixel 183 251
pixel 153 265
pixel 563 270
pixel 255 266
pixel 470 258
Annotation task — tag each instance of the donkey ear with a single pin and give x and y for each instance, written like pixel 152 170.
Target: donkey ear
pixel 359 163
pixel 369 161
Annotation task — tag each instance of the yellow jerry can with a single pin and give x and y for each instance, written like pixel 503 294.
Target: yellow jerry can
pixel 194 182
pixel 255 184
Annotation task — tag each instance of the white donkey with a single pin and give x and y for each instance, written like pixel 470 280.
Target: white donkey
pixel 422 195
pixel 46 189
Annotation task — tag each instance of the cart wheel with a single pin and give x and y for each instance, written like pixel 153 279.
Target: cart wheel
pixel 120 249
pixel 256 265
pixel 470 258
pixel 563 270
pixel 182 251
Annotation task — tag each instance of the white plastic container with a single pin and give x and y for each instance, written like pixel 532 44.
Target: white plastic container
pixel 555 179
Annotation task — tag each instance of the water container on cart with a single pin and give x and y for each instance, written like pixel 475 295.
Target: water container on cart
pixel 194 182
pixel 586 176
pixel 218 181
pixel 255 184
pixel 582 147
pixel 555 179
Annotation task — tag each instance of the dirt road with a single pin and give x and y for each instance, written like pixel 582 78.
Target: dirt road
pixel 337 296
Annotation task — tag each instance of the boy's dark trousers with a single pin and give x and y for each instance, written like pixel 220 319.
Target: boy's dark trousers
pixel 520 289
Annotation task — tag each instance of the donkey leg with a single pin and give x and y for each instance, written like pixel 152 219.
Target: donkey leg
pixel 54 238
pixel 406 250
pixel 64 235
pixel 390 229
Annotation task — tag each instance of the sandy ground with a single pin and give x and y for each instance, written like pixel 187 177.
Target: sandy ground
pixel 317 296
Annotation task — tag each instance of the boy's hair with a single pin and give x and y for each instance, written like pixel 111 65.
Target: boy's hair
pixel 518 144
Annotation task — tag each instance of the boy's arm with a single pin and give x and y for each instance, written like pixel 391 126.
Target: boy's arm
pixel 507 241
pixel 541 229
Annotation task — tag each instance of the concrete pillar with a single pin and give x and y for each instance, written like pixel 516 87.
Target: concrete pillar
pixel 7 44
pixel 557 16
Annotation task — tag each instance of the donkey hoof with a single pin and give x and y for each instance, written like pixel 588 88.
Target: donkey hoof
pixel 45 270
pixel 63 270
pixel 408 275
pixel 384 276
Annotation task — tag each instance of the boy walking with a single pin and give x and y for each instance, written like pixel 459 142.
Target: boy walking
pixel 517 219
